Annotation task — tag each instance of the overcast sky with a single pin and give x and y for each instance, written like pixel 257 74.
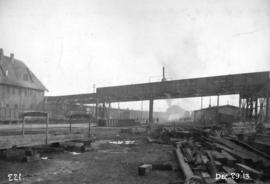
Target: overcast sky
pixel 71 45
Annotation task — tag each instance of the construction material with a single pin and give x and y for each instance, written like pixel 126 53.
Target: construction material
pixel 252 172
pixel 144 169
pixel 37 139
pixel 211 164
pixel 189 176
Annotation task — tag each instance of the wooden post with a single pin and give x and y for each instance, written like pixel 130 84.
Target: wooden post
pixel 70 124
pixel 96 110
pixel 89 128
pixel 47 128
pixel 23 125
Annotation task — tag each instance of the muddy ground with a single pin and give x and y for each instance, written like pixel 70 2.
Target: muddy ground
pixel 104 163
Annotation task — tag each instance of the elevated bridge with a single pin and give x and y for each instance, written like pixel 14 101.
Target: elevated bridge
pixel 250 87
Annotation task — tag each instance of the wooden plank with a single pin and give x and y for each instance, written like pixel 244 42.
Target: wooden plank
pixel 238 154
pixel 253 172
pixel 189 176
pixel 265 155
pixel 240 151
pixel 211 165
pixel 182 163
pixel 38 139
pixel 229 158
pixel 219 156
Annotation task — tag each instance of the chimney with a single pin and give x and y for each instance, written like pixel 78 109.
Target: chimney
pixel 163 74
pixel 12 58
pixel 1 53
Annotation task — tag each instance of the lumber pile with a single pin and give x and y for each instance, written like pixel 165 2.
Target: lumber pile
pixel 210 159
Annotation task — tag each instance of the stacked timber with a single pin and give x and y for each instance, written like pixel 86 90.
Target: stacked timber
pixel 209 159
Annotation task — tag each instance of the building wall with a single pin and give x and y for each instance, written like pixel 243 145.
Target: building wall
pixel 20 98
pixel 211 116
pixel 230 111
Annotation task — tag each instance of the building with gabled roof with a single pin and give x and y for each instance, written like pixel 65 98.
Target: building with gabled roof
pixel 216 115
pixel 19 87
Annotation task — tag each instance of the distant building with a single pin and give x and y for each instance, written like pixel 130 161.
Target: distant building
pixel 215 115
pixel 19 87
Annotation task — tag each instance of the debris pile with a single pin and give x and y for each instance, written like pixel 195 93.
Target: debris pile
pixel 206 157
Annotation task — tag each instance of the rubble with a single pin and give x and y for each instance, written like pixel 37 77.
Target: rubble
pixel 203 156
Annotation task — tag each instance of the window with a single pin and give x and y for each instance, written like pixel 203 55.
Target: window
pixel 13 91
pixel 25 77
pixel 8 90
pixel 3 91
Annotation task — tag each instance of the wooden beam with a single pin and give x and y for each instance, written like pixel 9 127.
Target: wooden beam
pixel 7 142
pixel 189 176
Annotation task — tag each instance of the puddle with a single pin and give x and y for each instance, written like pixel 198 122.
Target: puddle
pixel 122 142
pixel 75 153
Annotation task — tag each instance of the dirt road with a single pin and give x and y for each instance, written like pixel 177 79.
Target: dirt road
pixel 105 163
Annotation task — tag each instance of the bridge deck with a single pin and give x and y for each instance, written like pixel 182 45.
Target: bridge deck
pixel 246 84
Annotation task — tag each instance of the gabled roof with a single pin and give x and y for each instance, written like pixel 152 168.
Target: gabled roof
pixel 219 107
pixel 14 72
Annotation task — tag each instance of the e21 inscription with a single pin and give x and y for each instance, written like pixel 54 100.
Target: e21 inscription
pixel 15 177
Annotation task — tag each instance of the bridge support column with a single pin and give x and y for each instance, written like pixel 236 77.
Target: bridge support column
pixel 267 109
pixel 256 109
pixel 240 101
pixel 109 111
pixel 151 107
pixel 240 107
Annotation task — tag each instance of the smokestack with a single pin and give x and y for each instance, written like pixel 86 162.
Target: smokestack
pixel 12 58
pixel 163 74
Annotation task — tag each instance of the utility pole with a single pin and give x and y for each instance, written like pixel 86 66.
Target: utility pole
pixel 94 88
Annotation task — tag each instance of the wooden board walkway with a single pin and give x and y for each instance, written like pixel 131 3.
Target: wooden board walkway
pixel 38 139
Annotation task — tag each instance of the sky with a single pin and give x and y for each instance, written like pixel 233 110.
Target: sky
pixel 71 45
